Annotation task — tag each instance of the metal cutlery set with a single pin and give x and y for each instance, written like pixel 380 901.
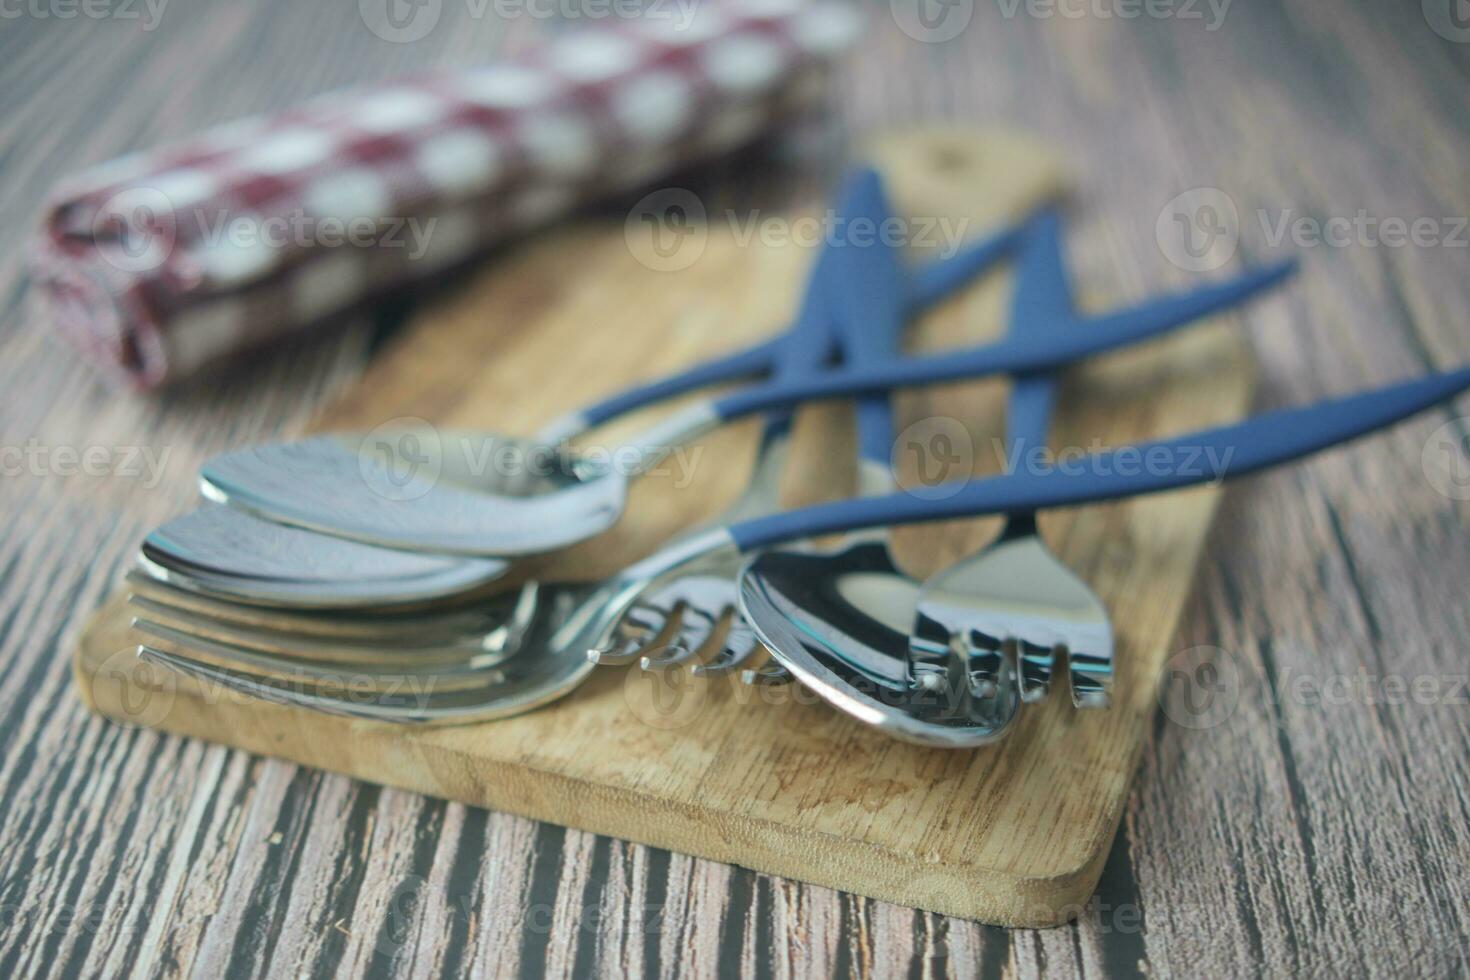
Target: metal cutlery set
pixel 357 574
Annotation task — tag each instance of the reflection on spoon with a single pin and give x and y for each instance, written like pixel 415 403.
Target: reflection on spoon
pixel 839 620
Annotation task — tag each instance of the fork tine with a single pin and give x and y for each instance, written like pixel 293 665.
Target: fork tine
pixel 1036 663
pixel 985 662
pixel 740 643
pixel 640 628
pixel 769 672
pixel 930 649
pixel 695 628
pixel 1091 677
pixel 668 656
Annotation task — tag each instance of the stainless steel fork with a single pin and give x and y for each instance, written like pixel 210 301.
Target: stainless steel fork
pixel 1014 599
pixel 672 621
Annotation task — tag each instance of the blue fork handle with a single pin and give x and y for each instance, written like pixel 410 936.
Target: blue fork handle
pixel 869 302
pixel 1206 456
pixel 932 282
pixel 1013 355
pixel 1041 306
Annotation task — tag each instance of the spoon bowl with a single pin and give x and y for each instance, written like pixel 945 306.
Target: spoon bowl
pixel 229 554
pixel 415 488
pixel 839 620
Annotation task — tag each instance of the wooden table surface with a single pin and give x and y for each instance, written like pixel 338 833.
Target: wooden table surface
pixel 1302 805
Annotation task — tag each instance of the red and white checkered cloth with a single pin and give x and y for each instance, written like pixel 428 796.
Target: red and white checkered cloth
pixel 161 262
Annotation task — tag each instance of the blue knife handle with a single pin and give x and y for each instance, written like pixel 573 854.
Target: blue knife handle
pixel 1013 355
pixel 932 282
pixel 1041 306
pixel 806 347
pixel 869 301
pixel 1206 456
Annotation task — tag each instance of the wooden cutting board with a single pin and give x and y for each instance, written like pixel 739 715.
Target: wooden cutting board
pixel 771 778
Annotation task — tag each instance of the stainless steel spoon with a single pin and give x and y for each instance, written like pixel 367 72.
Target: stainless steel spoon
pixel 228 554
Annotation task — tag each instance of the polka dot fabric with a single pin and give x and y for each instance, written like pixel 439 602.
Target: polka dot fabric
pixel 162 262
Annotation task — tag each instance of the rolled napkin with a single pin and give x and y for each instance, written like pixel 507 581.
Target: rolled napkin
pixel 164 261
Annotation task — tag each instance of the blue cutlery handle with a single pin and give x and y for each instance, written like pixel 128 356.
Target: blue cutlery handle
pixel 1206 456
pixel 938 279
pixel 1028 413
pixel 933 282
pixel 869 301
pixel 807 346
pixel 1013 355
pixel 1167 311
pixel 1041 306
pixel 751 362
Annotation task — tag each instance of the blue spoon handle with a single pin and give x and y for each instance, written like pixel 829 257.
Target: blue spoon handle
pixel 932 282
pixel 1207 456
pixel 1014 355
pixel 751 362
